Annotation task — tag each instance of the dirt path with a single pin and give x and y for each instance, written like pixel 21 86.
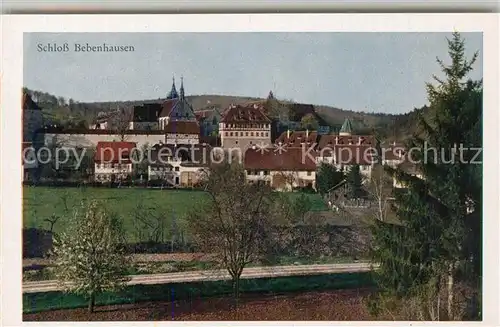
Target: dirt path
pixel 327 305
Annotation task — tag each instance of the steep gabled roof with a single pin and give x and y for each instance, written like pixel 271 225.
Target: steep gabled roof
pixel 177 109
pixel 287 160
pixel 297 138
pixel 245 114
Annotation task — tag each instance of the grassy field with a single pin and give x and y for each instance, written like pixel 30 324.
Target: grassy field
pixel 40 203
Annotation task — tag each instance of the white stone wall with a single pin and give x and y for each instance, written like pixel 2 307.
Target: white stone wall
pixel 91 140
pixel 292 177
pixel 144 125
pixel 182 138
pixel 103 171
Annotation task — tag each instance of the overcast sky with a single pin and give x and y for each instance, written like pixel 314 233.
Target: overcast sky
pixel 381 72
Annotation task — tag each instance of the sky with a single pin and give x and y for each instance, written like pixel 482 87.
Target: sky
pixel 372 72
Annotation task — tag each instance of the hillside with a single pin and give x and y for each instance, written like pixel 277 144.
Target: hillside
pixel 58 110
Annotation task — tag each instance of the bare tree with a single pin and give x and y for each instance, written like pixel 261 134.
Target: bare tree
pixel 234 225
pixel 291 178
pixel 52 221
pixel 151 224
pixel 380 188
pixel 120 123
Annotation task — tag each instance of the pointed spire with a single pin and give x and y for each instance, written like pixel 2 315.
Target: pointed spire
pixel 346 128
pixel 181 90
pixel 173 92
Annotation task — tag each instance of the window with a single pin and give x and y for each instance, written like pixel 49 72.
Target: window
pixel 266 172
pixel 251 134
pixel 231 134
pixel 236 142
pixel 309 173
pixel 249 172
pixel 267 134
pixel 176 169
pixel 246 134
pixel 226 134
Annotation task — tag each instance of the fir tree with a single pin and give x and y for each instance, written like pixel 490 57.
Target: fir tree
pixel 355 182
pixel 437 246
pixel 327 178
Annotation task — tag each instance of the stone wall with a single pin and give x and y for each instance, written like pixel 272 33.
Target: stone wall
pixel 91 139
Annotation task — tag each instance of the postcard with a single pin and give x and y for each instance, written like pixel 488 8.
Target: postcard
pixel 226 168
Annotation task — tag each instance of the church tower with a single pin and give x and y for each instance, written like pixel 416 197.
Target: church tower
pixel 346 129
pixel 173 92
pixel 181 91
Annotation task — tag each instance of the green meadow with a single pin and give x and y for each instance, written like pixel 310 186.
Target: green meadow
pixel 40 203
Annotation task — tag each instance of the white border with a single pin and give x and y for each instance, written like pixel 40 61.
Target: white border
pixel 12 54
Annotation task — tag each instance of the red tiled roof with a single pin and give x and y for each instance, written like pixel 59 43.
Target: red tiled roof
pixel 292 159
pixel 203 113
pixel 353 154
pixel 245 114
pixel 167 107
pixel 297 138
pixel 331 140
pixel 182 127
pixel 109 152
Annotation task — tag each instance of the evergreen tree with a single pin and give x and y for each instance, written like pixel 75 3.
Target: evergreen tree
pixel 327 178
pixel 355 182
pixel 437 247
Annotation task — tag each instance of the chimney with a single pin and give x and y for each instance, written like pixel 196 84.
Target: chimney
pixel 307 133
pixel 394 143
pixel 287 133
pixel 336 140
pixel 359 140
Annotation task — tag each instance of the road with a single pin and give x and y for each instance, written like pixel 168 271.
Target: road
pixel 214 275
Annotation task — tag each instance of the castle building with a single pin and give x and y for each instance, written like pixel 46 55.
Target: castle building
pixel 245 126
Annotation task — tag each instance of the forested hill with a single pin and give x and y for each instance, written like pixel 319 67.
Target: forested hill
pixel 59 110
